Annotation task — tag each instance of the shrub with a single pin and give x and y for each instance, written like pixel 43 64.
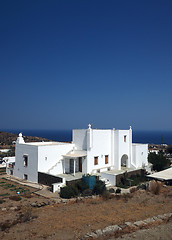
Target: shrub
pixel 26 215
pixel 5 225
pixel 154 187
pixel 87 192
pixel 68 192
pixel 27 195
pixel 118 190
pixel 2 201
pixel 99 187
pixel 81 186
pixel 106 195
pixel 15 198
pixel 111 190
pixel 142 186
pixel 159 161
pixel 133 189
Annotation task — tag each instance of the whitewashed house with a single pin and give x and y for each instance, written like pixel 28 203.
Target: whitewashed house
pixel 106 152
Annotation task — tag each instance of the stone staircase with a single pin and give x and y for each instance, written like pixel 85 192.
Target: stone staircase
pixel 106 181
pixel 54 166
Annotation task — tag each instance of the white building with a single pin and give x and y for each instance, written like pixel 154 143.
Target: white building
pixel 9 163
pixel 92 151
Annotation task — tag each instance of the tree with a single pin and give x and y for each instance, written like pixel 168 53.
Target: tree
pixel 169 149
pixel 159 161
pixel 99 187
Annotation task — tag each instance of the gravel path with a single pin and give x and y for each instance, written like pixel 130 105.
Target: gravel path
pixel 161 232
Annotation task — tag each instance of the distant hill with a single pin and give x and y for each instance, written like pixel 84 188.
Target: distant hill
pixel 7 139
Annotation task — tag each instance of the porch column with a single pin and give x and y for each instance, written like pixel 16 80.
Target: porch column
pixel 64 167
pixel 74 167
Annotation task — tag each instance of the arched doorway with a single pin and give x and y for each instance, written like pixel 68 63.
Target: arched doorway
pixel 124 160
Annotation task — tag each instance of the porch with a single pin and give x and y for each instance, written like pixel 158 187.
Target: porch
pixel 73 163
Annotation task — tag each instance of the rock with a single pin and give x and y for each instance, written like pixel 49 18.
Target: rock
pixel 129 224
pixel 34 204
pixel 4 209
pixel 13 208
pixel 149 220
pixel 93 235
pixel 167 215
pixel 112 228
pixel 139 223
pixel 161 216
pixel 98 232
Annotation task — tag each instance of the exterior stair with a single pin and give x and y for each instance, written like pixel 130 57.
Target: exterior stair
pixel 106 181
pixel 49 170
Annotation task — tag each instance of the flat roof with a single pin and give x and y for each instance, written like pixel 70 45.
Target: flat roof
pixel 75 153
pixel 162 175
pixel 46 143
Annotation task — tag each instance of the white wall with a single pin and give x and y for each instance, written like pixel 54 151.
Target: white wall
pixel 79 138
pixel 140 154
pixel 122 147
pixel 50 157
pixel 9 161
pixel 32 169
pixel 111 178
pixel 101 146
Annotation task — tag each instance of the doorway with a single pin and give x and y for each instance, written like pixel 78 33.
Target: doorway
pixel 80 164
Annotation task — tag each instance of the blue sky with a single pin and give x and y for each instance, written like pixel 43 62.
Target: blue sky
pixel 64 64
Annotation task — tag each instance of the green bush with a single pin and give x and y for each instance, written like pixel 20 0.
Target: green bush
pixel 142 186
pixel 69 192
pixel 159 161
pixel 99 187
pixel 111 190
pixel 81 186
pixel 87 192
pixel 118 190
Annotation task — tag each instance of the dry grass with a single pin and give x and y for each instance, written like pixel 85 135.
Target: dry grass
pixel 155 187
pixel 74 219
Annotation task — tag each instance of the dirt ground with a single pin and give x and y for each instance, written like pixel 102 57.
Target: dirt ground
pixel 77 217
pixel 161 232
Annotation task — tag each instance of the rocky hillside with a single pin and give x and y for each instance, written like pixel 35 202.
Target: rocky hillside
pixel 7 140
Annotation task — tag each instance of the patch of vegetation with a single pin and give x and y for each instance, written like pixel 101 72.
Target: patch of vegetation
pixel 111 190
pixel 159 161
pixel 118 190
pixel 69 192
pixel 81 188
pixel 15 198
pixel 4 195
pixel 155 187
pixel 133 180
pixel 106 195
pixel 87 192
pixel 27 214
pixel 2 201
pixel 169 149
pixel 99 187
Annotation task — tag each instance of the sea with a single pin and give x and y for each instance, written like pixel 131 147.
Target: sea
pixel 151 137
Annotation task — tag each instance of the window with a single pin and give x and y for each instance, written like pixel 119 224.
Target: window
pixel 95 160
pixel 25 177
pixel 25 160
pixel 106 159
pixel 11 172
pixel 125 138
pixel 45 158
